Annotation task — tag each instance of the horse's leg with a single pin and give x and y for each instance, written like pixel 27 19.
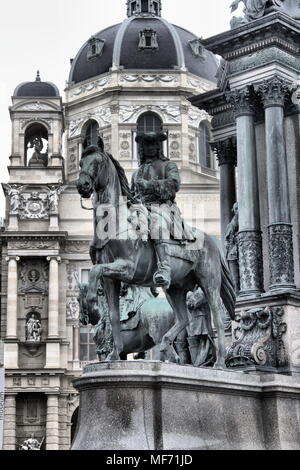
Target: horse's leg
pixel 112 292
pixel 177 299
pixel 211 286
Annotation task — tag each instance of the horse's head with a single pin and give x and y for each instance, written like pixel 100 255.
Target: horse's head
pixel 93 176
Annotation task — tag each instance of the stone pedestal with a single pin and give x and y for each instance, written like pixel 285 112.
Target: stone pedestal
pixel 157 406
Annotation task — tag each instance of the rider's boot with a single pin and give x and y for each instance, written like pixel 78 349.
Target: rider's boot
pixel 162 277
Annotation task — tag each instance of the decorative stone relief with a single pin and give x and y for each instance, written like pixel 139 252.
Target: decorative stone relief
pixel 47 122
pixel 259 339
pixel 72 309
pixel 36 107
pixel 174 144
pixel 196 116
pixel 76 246
pixel 103 115
pixel 74 126
pixel 199 85
pixel 107 142
pixel 281 255
pixel 13 193
pixel 192 148
pixel 147 78
pixel 72 274
pixel 125 145
pixel 33 244
pixel 73 159
pixel 33 276
pixel 34 206
pixel 250 262
pixel 95 85
pixel 171 113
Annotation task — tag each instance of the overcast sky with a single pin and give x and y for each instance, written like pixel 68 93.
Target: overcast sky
pixel 44 35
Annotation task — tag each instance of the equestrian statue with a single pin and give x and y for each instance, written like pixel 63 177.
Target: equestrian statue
pixel 140 239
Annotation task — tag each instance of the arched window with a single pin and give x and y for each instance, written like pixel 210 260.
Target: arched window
pixel 204 151
pixel 91 132
pixel 149 122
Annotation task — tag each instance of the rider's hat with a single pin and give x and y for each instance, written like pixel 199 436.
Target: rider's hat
pixel 150 137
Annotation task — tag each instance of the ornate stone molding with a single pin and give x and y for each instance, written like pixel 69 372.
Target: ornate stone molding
pixel 95 85
pixel 196 116
pixel 76 246
pixel 226 151
pixel 250 262
pixel 148 78
pixel 171 113
pixel 274 92
pixel 242 101
pixel 259 339
pixel 281 256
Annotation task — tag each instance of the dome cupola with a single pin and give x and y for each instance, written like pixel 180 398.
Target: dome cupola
pixel 143 8
pixel 37 89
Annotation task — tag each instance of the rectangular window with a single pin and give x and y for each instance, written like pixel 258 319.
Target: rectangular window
pixel 133 8
pixel 87 345
pixel 155 5
pixel 85 276
pixel 148 41
pixel 145 6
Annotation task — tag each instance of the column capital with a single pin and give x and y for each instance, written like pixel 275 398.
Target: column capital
pixel 54 257
pixel 226 151
pixel 274 91
pixel 242 101
pixel 10 258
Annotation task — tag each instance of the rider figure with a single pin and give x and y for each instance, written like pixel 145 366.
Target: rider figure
pixel 156 183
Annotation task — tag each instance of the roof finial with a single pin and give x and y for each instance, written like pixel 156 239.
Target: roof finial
pixel 143 8
pixel 38 77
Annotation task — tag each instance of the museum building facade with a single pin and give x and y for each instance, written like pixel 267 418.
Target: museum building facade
pixel 130 77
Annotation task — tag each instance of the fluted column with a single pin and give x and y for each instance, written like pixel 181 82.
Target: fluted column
pixel 227 156
pixel 250 240
pixel 10 423
pixel 52 426
pixel 12 297
pixel 53 309
pixel 274 93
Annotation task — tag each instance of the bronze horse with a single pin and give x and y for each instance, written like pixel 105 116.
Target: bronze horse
pixel 139 333
pixel 117 258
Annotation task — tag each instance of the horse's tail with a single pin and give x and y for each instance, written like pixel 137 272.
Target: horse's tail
pixel 227 289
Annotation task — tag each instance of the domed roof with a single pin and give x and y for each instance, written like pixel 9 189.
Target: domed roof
pixel 143 43
pixel 36 89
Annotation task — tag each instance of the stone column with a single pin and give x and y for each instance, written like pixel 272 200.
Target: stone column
pixel 114 140
pixel 274 93
pixel 53 308
pixel 52 425
pixel 76 341
pixel 250 240
pixel 227 156
pixel 12 297
pixel 9 442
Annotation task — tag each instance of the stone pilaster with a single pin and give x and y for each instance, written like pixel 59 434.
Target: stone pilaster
pixel 52 426
pixel 76 341
pixel 227 157
pixel 115 109
pixel 250 241
pixel 9 442
pixel 274 93
pixel 12 297
pixel 53 311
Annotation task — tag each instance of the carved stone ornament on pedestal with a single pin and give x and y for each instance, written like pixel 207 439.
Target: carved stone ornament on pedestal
pixel 259 339
pixel 250 262
pixel 281 255
pixel 275 91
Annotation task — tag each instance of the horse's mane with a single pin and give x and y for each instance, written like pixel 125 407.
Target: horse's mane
pixel 125 188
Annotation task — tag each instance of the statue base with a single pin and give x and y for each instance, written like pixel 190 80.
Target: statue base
pixel 141 405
